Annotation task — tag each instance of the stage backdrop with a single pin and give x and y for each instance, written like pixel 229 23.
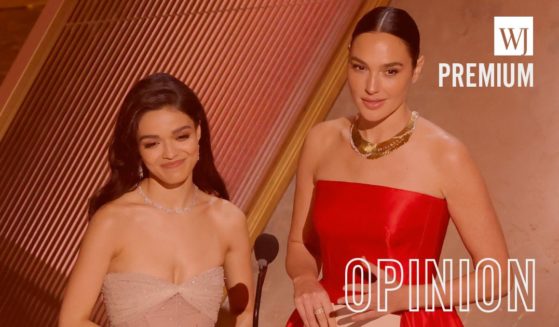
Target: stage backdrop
pixel 256 65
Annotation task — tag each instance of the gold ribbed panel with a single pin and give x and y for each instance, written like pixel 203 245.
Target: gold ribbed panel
pixel 254 65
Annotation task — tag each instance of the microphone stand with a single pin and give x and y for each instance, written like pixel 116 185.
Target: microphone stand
pixel 262 269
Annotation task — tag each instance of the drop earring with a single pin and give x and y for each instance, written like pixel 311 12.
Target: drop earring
pixel 141 172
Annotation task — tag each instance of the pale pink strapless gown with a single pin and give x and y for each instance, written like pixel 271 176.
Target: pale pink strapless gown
pixel 140 300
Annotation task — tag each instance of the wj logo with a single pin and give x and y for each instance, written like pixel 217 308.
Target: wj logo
pixel 513 36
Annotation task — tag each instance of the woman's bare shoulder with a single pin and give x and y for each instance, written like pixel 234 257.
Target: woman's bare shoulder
pixel 114 213
pixel 229 221
pixel 445 148
pixel 324 136
pixel 108 215
pixel 329 129
pixel 226 213
pixel 107 226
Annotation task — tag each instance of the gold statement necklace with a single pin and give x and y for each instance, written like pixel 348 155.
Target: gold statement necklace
pixel 376 150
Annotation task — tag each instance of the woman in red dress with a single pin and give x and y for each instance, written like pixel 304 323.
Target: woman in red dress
pixel 383 185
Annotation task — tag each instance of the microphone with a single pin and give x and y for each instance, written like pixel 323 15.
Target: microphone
pixel 266 250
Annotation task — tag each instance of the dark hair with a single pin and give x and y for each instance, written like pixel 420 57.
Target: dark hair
pixel 152 93
pixel 393 21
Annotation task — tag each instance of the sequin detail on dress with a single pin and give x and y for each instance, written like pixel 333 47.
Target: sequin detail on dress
pixel 140 300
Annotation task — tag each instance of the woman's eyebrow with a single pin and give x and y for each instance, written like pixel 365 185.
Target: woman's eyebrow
pixel 180 129
pixel 175 131
pixel 148 137
pixel 388 65
pixel 392 64
pixel 354 58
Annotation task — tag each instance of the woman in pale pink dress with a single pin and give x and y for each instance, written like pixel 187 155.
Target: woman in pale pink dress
pixel 163 240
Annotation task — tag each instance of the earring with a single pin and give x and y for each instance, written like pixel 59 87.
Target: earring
pixel 141 172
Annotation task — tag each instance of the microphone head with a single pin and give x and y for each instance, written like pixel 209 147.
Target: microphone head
pixel 266 248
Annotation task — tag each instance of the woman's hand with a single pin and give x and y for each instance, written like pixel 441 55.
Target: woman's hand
pixel 312 302
pixel 396 300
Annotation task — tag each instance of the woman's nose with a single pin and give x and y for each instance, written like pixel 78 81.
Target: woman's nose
pixel 372 84
pixel 169 151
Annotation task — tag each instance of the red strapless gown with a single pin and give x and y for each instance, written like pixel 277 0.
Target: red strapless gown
pixel 353 220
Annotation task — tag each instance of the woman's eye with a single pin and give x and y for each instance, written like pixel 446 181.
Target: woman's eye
pixel 357 67
pixel 391 72
pixel 149 145
pixel 184 137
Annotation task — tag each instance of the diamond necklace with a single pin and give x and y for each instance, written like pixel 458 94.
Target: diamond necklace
pixel 377 150
pixel 186 209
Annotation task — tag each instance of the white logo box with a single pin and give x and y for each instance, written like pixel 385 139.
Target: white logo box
pixel 513 36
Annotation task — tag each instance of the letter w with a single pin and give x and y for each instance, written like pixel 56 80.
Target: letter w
pixel 512 38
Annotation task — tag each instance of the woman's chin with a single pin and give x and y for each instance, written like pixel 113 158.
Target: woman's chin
pixel 373 116
pixel 171 181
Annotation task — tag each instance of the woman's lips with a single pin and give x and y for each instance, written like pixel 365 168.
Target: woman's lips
pixel 173 164
pixel 373 104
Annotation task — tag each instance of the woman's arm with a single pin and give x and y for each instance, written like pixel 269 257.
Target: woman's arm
pixel 238 272
pixel 86 279
pixel 303 259
pixel 473 214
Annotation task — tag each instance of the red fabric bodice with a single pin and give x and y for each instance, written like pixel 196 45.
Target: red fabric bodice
pixel 353 220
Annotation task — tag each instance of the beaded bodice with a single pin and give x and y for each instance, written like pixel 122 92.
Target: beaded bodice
pixel 140 300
